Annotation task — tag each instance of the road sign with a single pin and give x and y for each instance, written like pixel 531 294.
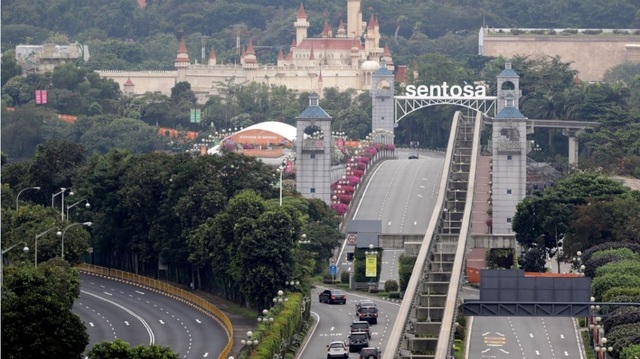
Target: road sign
pixel 332 261
pixel 333 270
pixel 352 238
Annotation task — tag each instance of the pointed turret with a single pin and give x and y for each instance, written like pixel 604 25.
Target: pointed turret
pixel 326 31
pixel 312 56
pixel 182 58
pixel 128 86
pixel 386 56
pixel 280 61
pixel 212 57
pixel 250 60
pixel 301 24
pixel 342 32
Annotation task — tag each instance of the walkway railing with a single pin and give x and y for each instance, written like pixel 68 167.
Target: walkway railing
pixel 170 291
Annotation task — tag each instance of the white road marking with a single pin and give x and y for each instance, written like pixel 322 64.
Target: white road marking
pixel 561 336
pixel 161 322
pixel 531 335
pixel 198 321
pixel 126 322
pixel 504 351
pixel 566 354
pixel 537 352
pixel 486 350
pixel 139 292
pixel 107 293
pixel 205 355
pixel 500 334
pixel 91 324
pixel 485 334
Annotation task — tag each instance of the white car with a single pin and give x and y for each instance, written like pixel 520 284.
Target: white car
pixel 337 349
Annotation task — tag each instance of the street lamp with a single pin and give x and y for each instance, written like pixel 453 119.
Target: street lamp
pixel 87 206
pixel 281 171
pixel 18 196
pixel 24 249
pixel 40 235
pixel 265 318
pixel 62 191
pixel 304 239
pixel 88 224
pixel 249 342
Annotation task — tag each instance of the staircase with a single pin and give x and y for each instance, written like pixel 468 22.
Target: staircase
pixel 431 306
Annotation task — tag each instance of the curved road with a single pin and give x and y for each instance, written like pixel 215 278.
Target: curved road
pixel 112 309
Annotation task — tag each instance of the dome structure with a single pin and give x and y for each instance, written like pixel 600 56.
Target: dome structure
pixel 370 66
pixel 263 135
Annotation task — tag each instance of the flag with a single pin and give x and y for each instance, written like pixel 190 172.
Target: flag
pixel 38 97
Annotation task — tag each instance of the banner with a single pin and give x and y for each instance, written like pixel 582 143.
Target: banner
pixel 38 97
pixel 289 166
pixel 371 266
pixel 44 96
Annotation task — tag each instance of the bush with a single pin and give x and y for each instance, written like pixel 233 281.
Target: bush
pixel 344 276
pixel 623 315
pixel 603 283
pixel 394 295
pixel 405 268
pixel 624 266
pixel 391 285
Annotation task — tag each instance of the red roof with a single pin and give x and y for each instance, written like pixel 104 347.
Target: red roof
pixel 372 22
pixel 250 48
pixel 212 53
pixel 280 55
pixel 386 51
pixel 326 30
pixel 311 55
pixel 128 83
pixel 301 13
pixel 329 44
pixel 183 48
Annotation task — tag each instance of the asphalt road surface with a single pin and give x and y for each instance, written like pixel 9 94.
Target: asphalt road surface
pixel 112 309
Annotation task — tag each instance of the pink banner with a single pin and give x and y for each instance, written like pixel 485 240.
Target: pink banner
pixel 289 166
pixel 38 97
pixel 44 96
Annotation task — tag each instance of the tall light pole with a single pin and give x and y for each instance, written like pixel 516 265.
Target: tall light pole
pixel 36 242
pixel 87 206
pixel 88 224
pixel 19 193
pixel 62 191
pixel 281 170
pixel 24 249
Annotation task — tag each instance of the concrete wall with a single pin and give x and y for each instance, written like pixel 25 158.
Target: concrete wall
pixel 592 55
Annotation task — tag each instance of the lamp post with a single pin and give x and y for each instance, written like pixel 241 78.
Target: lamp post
pixel 249 342
pixel 87 206
pixel 40 235
pixel 265 318
pixel 303 239
pixel 281 171
pixel 602 348
pixel 88 224
pixel 24 249
pixel 62 191
pixel 19 193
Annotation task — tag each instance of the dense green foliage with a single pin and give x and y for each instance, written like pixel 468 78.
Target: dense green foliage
pixel 121 350
pixel 405 268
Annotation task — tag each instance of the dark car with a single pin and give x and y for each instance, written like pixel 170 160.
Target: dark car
pixel 332 296
pixel 365 303
pixel 413 156
pixel 370 353
pixel 368 313
pixel 357 341
pixel 361 326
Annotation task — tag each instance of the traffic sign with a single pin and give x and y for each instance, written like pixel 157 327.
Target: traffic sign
pixel 333 270
pixel 332 261
pixel 352 238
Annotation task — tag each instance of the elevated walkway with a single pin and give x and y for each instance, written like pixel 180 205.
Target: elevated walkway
pixel 426 320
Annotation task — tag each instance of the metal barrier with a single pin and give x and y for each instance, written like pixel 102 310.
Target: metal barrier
pixel 169 290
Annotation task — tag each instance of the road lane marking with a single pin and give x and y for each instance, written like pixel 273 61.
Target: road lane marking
pixel 500 334
pixel 91 324
pixel 139 292
pixel 485 334
pixel 107 293
pixel 566 354
pixel 537 352
pixel 126 322
pixel 161 321
pixel 205 355
pixel 531 335
pixel 504 351
pixel 486 350
pixel 198 321
pixel 561 336
pixel 152 338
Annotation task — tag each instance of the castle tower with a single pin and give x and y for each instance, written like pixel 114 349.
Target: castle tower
pixel 326 30
pixel 313 152
pixel 301 25
pixel 320 84
pixel 386 56
pixel 280 61
pixel 369 40
pixel 342 32
pixel 128 87
pixel 382 91
pixel 182 61
pixel 509 149
pixel 250 60
pixel 212 57
pixel 353 20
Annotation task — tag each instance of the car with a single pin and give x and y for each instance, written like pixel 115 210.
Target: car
pixel 357 341
pixel 365 303
pixel 361 326
pixel 413 156
pixel 370 353
pixel 337 349
pixel 331 296
pixel 368 313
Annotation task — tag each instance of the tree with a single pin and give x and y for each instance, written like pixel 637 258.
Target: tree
pixel 119 349
pixel 106 132
pixel 36 312
pixel 10 67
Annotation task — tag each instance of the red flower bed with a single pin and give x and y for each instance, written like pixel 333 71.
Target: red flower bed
pixel 340 208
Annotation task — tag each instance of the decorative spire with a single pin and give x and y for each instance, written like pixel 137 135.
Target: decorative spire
pixel 183 47
pixel 326 31
pixel 129 82
pixel 280 55
pixel 386 51
pixel 212 53
pixel 371 23
pixel 311 55
pixel 320 76
pixel 301 13
pixel 250 48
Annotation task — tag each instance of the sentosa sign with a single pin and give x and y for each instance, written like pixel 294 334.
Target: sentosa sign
pixel 445 90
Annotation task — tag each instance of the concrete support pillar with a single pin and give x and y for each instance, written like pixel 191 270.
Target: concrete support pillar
pixel 573 146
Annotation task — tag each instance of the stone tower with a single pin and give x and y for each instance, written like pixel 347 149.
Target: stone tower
pixel 313 152
pixel 509 148
pixel 382 91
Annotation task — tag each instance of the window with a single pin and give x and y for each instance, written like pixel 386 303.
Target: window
pixel 508 191
pixel 509 220
pixel 509 157
pixel 313 190
pixel 313 156
pixel 382 118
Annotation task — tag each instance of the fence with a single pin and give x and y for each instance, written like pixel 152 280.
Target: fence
pixel 169 290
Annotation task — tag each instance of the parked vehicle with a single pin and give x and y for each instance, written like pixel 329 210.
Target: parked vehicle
pixel 332 296
pixel 337 349
pixel 357 341
pixel 370 353
pixel 361 326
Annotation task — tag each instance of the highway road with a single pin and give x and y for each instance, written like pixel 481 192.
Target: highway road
pixel 112 309
pixel 334 320
pixel 401 193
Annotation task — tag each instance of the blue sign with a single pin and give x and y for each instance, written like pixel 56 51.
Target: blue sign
pixel 333 270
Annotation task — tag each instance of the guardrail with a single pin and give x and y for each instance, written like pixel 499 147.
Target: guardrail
pixel 169 290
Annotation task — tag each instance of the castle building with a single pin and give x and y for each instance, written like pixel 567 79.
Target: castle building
pixel 344 59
